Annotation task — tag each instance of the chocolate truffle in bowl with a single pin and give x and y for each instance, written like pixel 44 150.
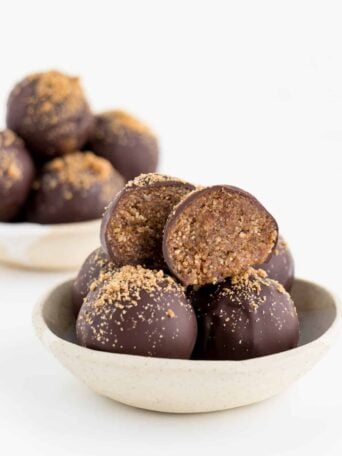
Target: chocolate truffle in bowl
pixel 217 232
pixel 280 265
pixel 138 311
pixel 95 264
pixel 16 175
pixel 129 144
pixel 133 224
pixel 245 316
pixel 50 112
pixel 73 188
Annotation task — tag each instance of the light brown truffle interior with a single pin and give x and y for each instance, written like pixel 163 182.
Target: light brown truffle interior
pixel 218 234
pixel 136 227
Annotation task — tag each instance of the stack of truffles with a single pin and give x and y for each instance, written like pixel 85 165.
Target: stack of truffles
pixel 59 162
pixel 186 272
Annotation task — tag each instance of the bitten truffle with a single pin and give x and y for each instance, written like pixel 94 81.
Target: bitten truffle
pixel 138 311
pixel 96 263
pixel 73 188
pixel 50 112
pixel 244 317
pixel 280 266
pixel 126 142
pixel 132 227
pixel 217 232
pixel 16 175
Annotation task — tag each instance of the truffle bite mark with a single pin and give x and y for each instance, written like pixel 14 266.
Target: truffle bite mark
pixel 217 232
pixel 132 227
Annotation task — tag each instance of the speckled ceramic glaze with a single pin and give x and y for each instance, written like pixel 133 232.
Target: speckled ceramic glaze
pixel 182 386
pixel 50 247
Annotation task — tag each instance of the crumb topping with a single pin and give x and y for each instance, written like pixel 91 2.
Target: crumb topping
pixel 80 172
pixel 264 299
pixel 145 180
pixel 81 169
pixel 96 266
pixel 134 310
pixel 50 89
pixel 281 247
pixel 250 283
pixel 246 304
pixel 127 283
pixel 52 104
pixel 8 138
pixel 10 169
pixel 120 121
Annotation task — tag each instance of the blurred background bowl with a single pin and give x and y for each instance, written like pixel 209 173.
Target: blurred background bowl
pixel 48 247
pixel 186 386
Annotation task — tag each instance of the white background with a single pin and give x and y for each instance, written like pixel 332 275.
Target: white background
pixel 244 93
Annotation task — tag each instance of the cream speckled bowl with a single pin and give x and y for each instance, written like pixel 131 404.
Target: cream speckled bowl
pixel 54 247
pixel 181 386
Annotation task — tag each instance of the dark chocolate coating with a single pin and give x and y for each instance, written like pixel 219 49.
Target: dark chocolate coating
pixel 280 266
pixel 95 263
pixel 237 322
pixel 50 112
pixel 130 146
pixel 144 313
pixel 147 249
pixel 73 188
pixel 16 175
pixel 217 254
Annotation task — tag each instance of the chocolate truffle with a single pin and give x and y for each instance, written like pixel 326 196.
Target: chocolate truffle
pixel 96 263
pixel 280 265
pixel 50 112
pixel 127 143
pixel 217 232
pixel 73 188
pixel 138 311
pixel 132 227
pixel 244 317
pixel 16 175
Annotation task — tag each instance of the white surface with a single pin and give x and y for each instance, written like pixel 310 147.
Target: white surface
pixel 257 87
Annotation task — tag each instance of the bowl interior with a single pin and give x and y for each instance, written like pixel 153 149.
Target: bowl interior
pixel 315 306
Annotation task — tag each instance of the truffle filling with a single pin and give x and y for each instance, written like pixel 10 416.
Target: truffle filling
pixel 135 229
pixel 218 234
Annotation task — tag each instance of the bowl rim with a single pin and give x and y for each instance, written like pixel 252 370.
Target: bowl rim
pixel 48 337
pixel 8 228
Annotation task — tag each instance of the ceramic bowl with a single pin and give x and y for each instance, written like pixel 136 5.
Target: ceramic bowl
pixel 54 247
pixel 182 386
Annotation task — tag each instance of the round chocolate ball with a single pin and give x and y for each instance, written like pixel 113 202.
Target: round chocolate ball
pixel 73 188
pixel 133 224
pixel 280 265
pixel 126 142
pixel 16 175
pixel 217 232
pixel 138 311
pixel 96 263
pixel 244 317
pixel 50 112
